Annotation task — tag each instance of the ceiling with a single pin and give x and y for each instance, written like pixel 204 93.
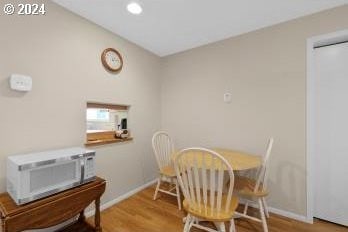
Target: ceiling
pixel 169 26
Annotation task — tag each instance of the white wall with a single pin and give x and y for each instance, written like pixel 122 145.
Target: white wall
pixel 61 51
pixel 265 71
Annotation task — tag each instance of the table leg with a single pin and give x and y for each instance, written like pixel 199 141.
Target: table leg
pixel 2 224
pixel 82 217
pixel 97 215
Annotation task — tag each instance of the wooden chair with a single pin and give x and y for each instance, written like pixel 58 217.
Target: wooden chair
pixel 200 173
pixel 256 190
pixel 163 148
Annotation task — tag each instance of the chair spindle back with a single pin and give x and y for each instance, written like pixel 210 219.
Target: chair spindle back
pixel 163 148
pixel 263 171
pixel 200 173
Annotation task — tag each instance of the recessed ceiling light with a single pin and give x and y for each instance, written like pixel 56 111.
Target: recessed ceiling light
pixel 134 8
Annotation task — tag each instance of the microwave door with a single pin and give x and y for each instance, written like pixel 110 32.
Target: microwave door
pixel 55 177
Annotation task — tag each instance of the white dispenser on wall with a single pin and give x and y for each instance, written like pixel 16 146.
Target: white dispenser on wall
pixel 21 83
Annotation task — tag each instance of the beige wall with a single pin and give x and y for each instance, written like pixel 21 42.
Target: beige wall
pixel 265 71
pixel 61 52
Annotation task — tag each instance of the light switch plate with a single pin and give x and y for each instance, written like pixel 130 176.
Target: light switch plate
pixel 227 97
pixel 21 82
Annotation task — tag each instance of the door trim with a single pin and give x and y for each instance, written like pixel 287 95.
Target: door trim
pixel 312 42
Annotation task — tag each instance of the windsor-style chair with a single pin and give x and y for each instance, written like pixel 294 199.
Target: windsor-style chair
pixel 163 148
pixel 256 189
pixel 201 173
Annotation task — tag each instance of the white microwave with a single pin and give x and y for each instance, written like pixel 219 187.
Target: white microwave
pixel 37 175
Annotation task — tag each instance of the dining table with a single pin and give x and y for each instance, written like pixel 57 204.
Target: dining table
pixel 238 160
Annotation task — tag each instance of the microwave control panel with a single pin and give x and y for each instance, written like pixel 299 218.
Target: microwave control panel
pixel 89 168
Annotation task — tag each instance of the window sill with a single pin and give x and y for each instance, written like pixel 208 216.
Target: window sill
pixel 98 142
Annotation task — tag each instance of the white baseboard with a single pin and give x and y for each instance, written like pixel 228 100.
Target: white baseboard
pixel 283 213
pixel 291 215
pixel 121 198
pixel 280 212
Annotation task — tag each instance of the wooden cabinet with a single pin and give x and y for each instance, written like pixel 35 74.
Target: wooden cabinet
pixel 53 210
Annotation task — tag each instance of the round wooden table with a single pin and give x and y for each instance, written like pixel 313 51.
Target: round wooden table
pixel 237 159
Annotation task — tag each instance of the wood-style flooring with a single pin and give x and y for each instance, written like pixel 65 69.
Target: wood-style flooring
pixel 140 213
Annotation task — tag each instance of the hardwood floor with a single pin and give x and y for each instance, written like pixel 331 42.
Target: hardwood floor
pixel 140 213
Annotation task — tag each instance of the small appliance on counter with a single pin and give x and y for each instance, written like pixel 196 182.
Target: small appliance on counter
pixel 122 134
pixel 123 124
pixel 37 175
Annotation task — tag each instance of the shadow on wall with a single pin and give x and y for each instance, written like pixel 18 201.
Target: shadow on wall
pixel 292 198
pixel 6 91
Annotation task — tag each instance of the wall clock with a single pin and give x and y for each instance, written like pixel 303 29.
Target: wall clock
pixel 112 60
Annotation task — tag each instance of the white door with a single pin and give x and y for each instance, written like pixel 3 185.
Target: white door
pixel 330 120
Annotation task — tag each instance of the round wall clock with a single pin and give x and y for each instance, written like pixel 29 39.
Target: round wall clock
pixel 112 60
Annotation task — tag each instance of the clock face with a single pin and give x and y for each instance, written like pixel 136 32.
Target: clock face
pixel 112 60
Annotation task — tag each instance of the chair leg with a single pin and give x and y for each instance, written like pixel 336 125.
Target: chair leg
pixel 221 226
pixel 246 208
pixel 187 223
pixel 177 193
pixel 193 221
pixel 265 207
pixel 157 188
pixel 171 183
pixel 263 218
pixel 232 226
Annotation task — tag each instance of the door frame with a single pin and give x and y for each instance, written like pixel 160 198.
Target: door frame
pixel 312 42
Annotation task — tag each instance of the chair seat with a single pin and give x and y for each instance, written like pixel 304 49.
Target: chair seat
pixel 168 171
pixel 206 214
pixel 244 186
